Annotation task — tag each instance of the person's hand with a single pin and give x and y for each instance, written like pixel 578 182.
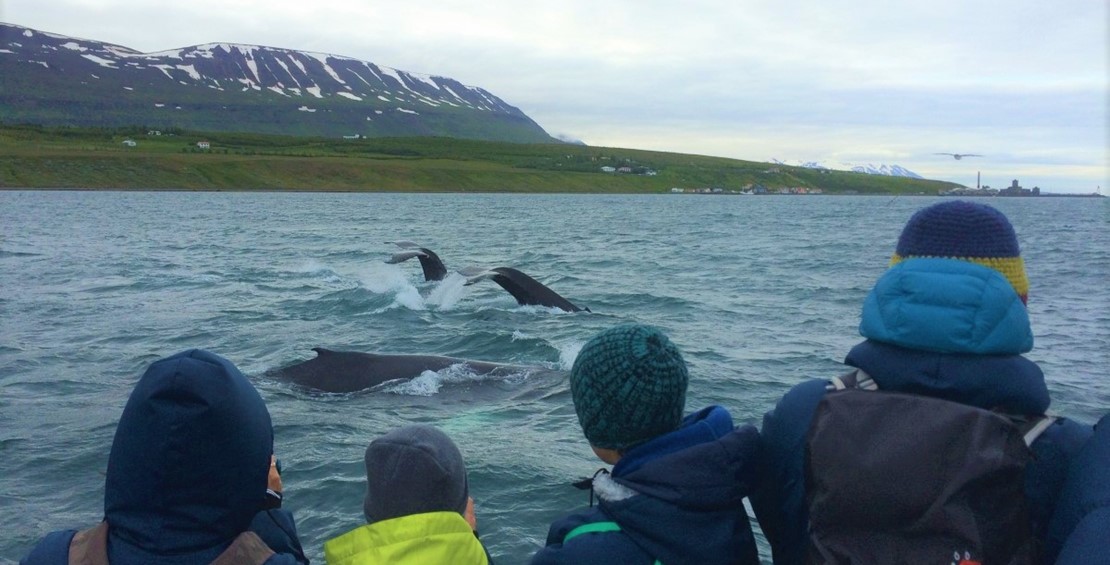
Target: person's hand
pixel 470 518
pixel 273 482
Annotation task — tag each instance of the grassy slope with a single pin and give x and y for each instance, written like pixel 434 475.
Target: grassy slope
pixel 32 157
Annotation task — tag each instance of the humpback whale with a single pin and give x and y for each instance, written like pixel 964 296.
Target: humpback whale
pixel 350 371
pixel 429 261
pixel 525 289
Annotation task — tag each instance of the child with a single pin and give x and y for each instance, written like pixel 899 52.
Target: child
pixel 675 494
pixel 417 505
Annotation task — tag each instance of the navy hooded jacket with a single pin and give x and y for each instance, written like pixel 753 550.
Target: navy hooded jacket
pixel 187 471
pixel 937 327
pixel 677 499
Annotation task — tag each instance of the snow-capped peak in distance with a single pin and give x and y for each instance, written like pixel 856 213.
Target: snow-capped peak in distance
pixel 870 168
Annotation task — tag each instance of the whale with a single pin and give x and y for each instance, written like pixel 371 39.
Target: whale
pixel 352 371
pixel 429 261
pixel 525 289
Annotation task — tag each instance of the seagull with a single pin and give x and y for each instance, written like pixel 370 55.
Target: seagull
pixel 959 156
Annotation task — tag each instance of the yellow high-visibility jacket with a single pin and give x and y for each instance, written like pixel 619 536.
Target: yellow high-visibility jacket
pixel 419 539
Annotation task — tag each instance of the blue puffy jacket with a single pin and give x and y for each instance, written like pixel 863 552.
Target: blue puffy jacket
pixel 677 499
pixel 188 471
pixel 938 327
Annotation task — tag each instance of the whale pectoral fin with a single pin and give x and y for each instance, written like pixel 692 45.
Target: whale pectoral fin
pixel 476 274
pixel 404 256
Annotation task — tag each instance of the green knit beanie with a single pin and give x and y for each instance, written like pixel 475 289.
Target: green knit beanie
pixel 629 386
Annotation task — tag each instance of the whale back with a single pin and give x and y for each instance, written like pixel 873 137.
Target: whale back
pixel 351 371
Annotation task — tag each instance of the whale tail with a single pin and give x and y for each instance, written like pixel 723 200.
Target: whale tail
pixel 429 261
pixel 526 290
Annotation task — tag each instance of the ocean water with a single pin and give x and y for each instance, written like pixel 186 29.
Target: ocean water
pixel 758 292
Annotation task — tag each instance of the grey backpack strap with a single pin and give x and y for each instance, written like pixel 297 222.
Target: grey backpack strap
pixel 90 547
pixel 247 549
pixel 856 378
pixel 1037 427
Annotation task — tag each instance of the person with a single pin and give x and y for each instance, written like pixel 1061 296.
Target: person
pixel 418 508
pixel 947 320
pixel 188 476
pixel 675 493
pixel 1080 527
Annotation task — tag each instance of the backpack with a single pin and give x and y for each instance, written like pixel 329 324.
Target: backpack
pixel 905 478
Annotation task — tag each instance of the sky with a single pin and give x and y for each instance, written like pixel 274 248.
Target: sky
pixel 1024 83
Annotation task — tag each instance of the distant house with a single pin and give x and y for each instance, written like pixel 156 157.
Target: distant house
pixel 625 170
pixel 608 169
pixel 129 142
pixel 204 145
pixel 154 132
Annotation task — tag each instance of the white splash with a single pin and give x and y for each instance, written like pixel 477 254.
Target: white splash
pixel 447 292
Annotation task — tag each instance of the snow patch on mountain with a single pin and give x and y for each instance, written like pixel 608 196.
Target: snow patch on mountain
pixel 869 168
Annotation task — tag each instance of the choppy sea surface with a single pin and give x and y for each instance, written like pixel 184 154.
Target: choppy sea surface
pixel 758 292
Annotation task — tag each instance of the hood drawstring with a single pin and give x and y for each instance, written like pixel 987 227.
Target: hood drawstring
pixel 588 483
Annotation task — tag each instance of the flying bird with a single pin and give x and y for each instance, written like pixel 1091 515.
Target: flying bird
pixel 959 156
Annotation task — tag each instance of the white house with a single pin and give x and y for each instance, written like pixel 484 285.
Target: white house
pixel 204 145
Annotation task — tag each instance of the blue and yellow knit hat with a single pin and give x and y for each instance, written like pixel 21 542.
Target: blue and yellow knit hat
pixel 969 232
pixel 629 386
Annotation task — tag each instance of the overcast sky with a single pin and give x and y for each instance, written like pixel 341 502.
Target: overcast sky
pixel 1022 82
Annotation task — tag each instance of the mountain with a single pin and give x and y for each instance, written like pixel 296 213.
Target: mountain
pixel 50 79
pixel 887 170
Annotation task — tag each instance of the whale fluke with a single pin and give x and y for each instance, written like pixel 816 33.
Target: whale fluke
pixel 351 371
pixel 429 261
pixel 525 289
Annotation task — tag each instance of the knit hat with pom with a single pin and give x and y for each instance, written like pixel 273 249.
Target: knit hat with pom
pixel 966 231
pixel 629 386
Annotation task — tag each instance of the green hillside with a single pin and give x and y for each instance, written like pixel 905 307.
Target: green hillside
pixel 37 157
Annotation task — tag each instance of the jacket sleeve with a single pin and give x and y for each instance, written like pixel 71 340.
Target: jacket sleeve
pixel 52 550
pixel 277 528
pixel 1082 515
pixel 779 500
pixel 1045 477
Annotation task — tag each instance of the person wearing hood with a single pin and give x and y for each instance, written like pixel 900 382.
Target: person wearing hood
pixel 188 477
pixel 675 493
pixel 947 320
pixel 418 508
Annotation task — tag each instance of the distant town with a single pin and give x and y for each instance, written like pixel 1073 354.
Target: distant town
pixel 1015 189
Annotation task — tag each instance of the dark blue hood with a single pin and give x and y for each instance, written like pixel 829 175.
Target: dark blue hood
pixel 1011 383
pixel 688 486
pixel 189 463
